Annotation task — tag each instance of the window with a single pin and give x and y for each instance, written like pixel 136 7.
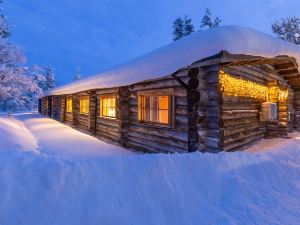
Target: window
pixel 69 104
pixel 108 106
pixel 84 105
pixel 155 109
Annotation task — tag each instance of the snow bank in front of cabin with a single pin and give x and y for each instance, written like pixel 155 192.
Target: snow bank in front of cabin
pixel 32 131
pixel 182 53
pixel 190 189
pixel 15 136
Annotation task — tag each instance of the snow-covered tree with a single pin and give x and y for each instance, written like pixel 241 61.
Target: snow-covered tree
pixel 188 26
pixel 77 74
pixel 178 26
pixel 288 29
pixel 18 90
pixel 209 22
pixel 49 78
pixel 4 26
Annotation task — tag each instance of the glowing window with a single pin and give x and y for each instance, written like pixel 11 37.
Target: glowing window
pixel 84 105
pixel 108 106
pixel 69 104
pixel 154 109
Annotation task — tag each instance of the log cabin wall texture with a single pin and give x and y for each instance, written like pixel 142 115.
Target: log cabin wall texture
pixel 147 137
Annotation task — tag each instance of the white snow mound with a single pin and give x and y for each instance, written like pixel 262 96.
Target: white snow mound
pixel 182 53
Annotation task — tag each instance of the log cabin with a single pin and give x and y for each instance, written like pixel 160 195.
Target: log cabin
pixel 216 90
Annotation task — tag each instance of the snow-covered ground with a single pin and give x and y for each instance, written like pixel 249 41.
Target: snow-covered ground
pixel 55 186
pixel 33 132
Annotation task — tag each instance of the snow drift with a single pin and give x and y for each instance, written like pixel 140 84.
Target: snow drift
pixel 189 189
pixel 182 53
pixel 69 178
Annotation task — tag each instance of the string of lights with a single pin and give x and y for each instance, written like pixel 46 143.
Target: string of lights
pixel 231 86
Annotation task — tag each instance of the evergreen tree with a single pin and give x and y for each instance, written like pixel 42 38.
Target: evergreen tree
pixel 209 22
pixel 188 26
pixel 77 74
pixel 49 78
pixel 288 29
pixel 178 26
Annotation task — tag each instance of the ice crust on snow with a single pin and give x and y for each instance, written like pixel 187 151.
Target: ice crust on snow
pixel 182 53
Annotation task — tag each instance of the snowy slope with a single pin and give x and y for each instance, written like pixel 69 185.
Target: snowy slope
pixel 182 53
pixel 179 189
pixel 31 131
pixel 257 186
pixel 15 136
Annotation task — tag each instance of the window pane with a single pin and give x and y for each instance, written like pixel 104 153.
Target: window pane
pixel 69 105
pixel 147 109
pixel 163 102
pixel 108 105
pixel 164 116
pixel 154 109
pixel 84 105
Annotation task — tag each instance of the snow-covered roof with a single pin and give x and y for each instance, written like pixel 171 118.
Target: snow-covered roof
pixel 182 53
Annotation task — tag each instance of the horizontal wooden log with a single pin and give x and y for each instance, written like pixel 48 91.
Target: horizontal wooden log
pixel 158 84
pixel 171 134
pixel 152 146
pixel 171 142
pixel 212 142
pixel 242 128
pixel 238 144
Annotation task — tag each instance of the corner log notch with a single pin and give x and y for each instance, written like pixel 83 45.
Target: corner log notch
pixel 195 119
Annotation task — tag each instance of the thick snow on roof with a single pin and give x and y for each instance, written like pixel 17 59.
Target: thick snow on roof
pixel 182 53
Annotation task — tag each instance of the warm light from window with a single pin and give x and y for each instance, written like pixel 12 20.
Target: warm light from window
pixel 108 106
pixel 154 109
pixel 69 104
pixel 84 105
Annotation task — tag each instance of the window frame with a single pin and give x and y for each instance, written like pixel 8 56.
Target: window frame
pixel 101 97
pixel 171 107
pixel 67 99
pixel 88 105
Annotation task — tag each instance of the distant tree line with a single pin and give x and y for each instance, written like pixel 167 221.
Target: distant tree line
pixel 287 29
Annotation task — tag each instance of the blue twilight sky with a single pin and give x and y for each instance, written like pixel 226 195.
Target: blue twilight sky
pixel 98 34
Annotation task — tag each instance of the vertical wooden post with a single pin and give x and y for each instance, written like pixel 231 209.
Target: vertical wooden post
pixel 39 105
pixel 75 109
pixel 193 96
pixel 215 135
pixel 49 109
pixel 62 108
pixel 297 110
pixel 92 112
pixel 123 114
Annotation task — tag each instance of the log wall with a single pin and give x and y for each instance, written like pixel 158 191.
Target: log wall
pixel 209 75
pixel 151 138
pixel 81 121
pixel 240 119
pixel 68 116
pixel 106 127
pixel 56 108
pixel 44 106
